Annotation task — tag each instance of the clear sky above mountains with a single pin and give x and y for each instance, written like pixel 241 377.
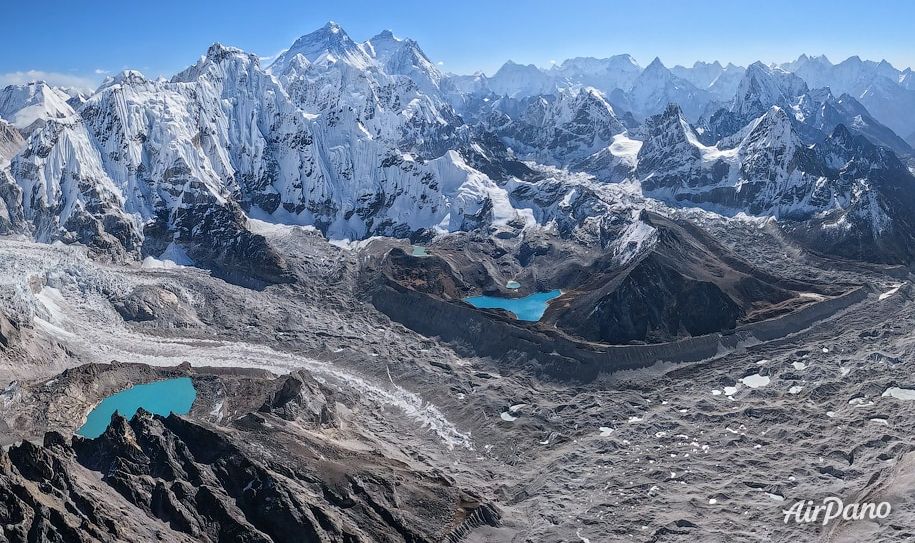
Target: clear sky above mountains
pixel 78 44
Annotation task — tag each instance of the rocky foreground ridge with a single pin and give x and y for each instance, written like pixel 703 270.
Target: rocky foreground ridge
pixel 274 475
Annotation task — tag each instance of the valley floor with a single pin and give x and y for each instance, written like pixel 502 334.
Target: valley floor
pixel 710 451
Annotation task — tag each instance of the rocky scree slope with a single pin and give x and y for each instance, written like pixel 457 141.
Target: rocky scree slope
pixel 266 477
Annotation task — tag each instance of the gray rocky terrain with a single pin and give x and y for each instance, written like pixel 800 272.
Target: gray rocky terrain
pixel 668 452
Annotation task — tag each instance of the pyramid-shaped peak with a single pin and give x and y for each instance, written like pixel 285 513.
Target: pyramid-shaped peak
pixel 386 35
pixel 672 110
pixel 329 38
pixel 656 64
pixel 854 59
pixel 329 43
pixel 332 27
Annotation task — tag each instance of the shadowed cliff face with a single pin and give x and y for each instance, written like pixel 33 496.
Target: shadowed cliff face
pixel 656 301
pixel 267 477
pixel 683 284
pixel 664 280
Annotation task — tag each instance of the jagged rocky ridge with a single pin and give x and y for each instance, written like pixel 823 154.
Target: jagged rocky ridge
pixel 371 138
pixel 266 477
pixel 843 195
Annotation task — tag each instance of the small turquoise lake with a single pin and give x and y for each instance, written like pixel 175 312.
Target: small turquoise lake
pixel 528 308
pixel 161 397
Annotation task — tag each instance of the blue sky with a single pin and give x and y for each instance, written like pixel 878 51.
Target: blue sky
pixel 79 43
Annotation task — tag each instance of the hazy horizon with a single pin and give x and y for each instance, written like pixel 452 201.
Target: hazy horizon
pixel 81 48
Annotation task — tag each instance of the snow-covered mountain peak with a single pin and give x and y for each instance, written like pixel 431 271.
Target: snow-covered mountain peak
pixel 670 128
pixel 852 60
pixel 514 79
pixel 328 44
pixel 764 86
pixel 673 113
pixel 382 45
pixel 27 106
pixel 362 139
pixel 385 34
pixel 219 60
pixel 606 74
pixel 398 56
pixel 560 129
pixel 701 74
pixel 129 77
pixel 219 52
pixel 774 130
pixel 511 66
pixel 907 79
pixel 806 61
pixel 591 95
pixel 657 86
pixel 655 67
pixel 582 66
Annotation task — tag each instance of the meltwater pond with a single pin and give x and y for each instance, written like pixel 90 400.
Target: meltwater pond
pixel 528 308
pixel 160 397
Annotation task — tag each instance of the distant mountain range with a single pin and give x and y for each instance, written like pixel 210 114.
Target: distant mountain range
pixel 370 138
pixel 886 91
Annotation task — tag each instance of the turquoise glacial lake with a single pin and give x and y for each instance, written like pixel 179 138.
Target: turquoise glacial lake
pixel 528 308
pixel 161 397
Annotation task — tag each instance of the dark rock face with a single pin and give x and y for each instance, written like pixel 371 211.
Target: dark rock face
pixel 654 301
pixel 11 141
pixel 9 333
pixel 263 480
pixel 878 224
pixel 554 129
pixel 429 274
pixel 685 284
pixel 11 219
pixel 147 303
pixel 214 236
pixel 667 158
pixel 843 195
pixel 301 397
pixel 828 112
